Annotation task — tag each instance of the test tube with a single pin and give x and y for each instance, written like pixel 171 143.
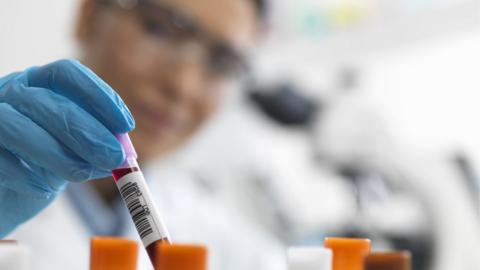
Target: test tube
pixel 136 195
pixel 111 253
pixel 401 260
pixel 348 253
pixel 181 257
pixel 309 258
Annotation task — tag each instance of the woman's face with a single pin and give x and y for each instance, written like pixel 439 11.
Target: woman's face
pixel 170 77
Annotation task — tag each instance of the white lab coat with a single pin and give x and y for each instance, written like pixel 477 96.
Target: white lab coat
pixel 59 239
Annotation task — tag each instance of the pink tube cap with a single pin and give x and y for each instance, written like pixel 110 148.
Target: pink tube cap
pixel 127 145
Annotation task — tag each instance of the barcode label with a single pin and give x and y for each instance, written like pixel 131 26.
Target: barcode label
pixel 138 210
pixel 133 190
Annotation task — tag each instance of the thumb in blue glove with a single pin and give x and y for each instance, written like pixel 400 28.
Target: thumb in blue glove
pixel 56 126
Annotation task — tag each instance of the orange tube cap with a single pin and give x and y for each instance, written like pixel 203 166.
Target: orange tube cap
pixel 181 257
pixel 348 253
pixel 111 253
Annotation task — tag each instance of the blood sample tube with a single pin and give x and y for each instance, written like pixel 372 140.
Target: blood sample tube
pixel 401 260
pixel 181 257
pixel 309 258
pixel 136 195
pixel 111 253
pixel 348 253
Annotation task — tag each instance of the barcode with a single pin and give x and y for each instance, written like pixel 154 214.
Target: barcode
pixel 140 213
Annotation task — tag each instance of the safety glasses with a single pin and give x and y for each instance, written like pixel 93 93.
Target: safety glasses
pixel 175 28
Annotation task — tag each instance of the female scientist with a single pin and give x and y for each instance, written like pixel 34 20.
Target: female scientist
pixel 170 61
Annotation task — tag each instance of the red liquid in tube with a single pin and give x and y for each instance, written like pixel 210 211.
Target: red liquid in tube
pixel 119 173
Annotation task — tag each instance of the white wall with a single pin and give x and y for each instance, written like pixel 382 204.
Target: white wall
pixel 34 32
pixel 430 92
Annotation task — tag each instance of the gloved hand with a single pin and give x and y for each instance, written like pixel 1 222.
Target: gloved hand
pixel 56 126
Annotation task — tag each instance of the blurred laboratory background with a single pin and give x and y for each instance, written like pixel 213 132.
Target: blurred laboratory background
pixel 358 118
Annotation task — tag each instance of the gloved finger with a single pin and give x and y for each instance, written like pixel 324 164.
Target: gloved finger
pixel 38 147
pixel 55 183
pixel 76 82
pixel 68 123
pixel 18 176
pixel 7 78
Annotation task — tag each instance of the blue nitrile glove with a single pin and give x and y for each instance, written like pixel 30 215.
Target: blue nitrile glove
pixel 56 126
